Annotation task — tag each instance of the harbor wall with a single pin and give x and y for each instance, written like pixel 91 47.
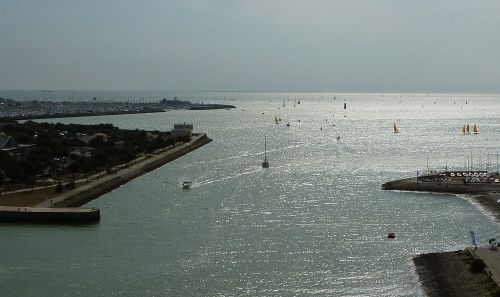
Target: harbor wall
pixel 411 184
pixel 93 190
pixel 49 215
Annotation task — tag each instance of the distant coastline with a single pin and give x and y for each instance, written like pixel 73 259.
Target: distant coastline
pixel 11 110
pixel 76 115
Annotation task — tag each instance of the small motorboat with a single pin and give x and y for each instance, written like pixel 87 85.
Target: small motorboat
pixel 186 184
pixel 391 235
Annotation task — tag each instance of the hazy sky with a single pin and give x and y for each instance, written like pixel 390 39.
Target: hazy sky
pixel 251 45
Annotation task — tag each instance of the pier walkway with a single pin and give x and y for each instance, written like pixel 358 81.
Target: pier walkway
pixel 492 260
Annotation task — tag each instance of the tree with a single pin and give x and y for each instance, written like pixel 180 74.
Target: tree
pixel 477 265
pixel 29 173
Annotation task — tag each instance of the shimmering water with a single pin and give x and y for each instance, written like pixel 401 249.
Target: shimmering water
pixel 313 224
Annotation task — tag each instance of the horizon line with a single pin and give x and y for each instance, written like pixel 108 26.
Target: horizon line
pixel 261 91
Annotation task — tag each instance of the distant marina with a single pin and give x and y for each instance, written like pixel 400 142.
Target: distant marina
pixel 34 109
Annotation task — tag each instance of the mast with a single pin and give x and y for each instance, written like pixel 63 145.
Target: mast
pixel 265 164
pixel 265 148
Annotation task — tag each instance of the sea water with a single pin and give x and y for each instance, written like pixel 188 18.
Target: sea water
pixel 313 224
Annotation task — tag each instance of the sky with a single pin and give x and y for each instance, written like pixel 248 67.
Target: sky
pixel 251 45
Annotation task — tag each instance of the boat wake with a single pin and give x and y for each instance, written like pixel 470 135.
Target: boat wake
pixel 225 178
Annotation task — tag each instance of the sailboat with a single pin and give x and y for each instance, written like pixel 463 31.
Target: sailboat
pixel 276 120
pixel 474 129
pixel 396 130
pixel 265 164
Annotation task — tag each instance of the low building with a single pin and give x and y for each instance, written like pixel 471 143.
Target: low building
pixel 10 146
pixel 86 139
pixel 183 126
pixel 7 141
pixel 182 130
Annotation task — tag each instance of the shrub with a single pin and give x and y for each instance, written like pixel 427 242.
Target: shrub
pixel 477 265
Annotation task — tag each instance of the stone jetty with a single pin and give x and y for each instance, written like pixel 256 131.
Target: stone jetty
pixel 474 182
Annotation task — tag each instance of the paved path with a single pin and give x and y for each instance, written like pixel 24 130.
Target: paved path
pixel 492 260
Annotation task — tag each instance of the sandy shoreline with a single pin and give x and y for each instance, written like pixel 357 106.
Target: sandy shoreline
pixel 489 202
pixel 95 189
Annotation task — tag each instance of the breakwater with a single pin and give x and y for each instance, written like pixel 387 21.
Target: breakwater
pixel 49 215
pixel 95 189
pixel 443 184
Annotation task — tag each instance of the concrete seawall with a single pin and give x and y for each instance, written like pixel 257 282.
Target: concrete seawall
pixel 49 215
pixel 95 189
pixel 411 184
